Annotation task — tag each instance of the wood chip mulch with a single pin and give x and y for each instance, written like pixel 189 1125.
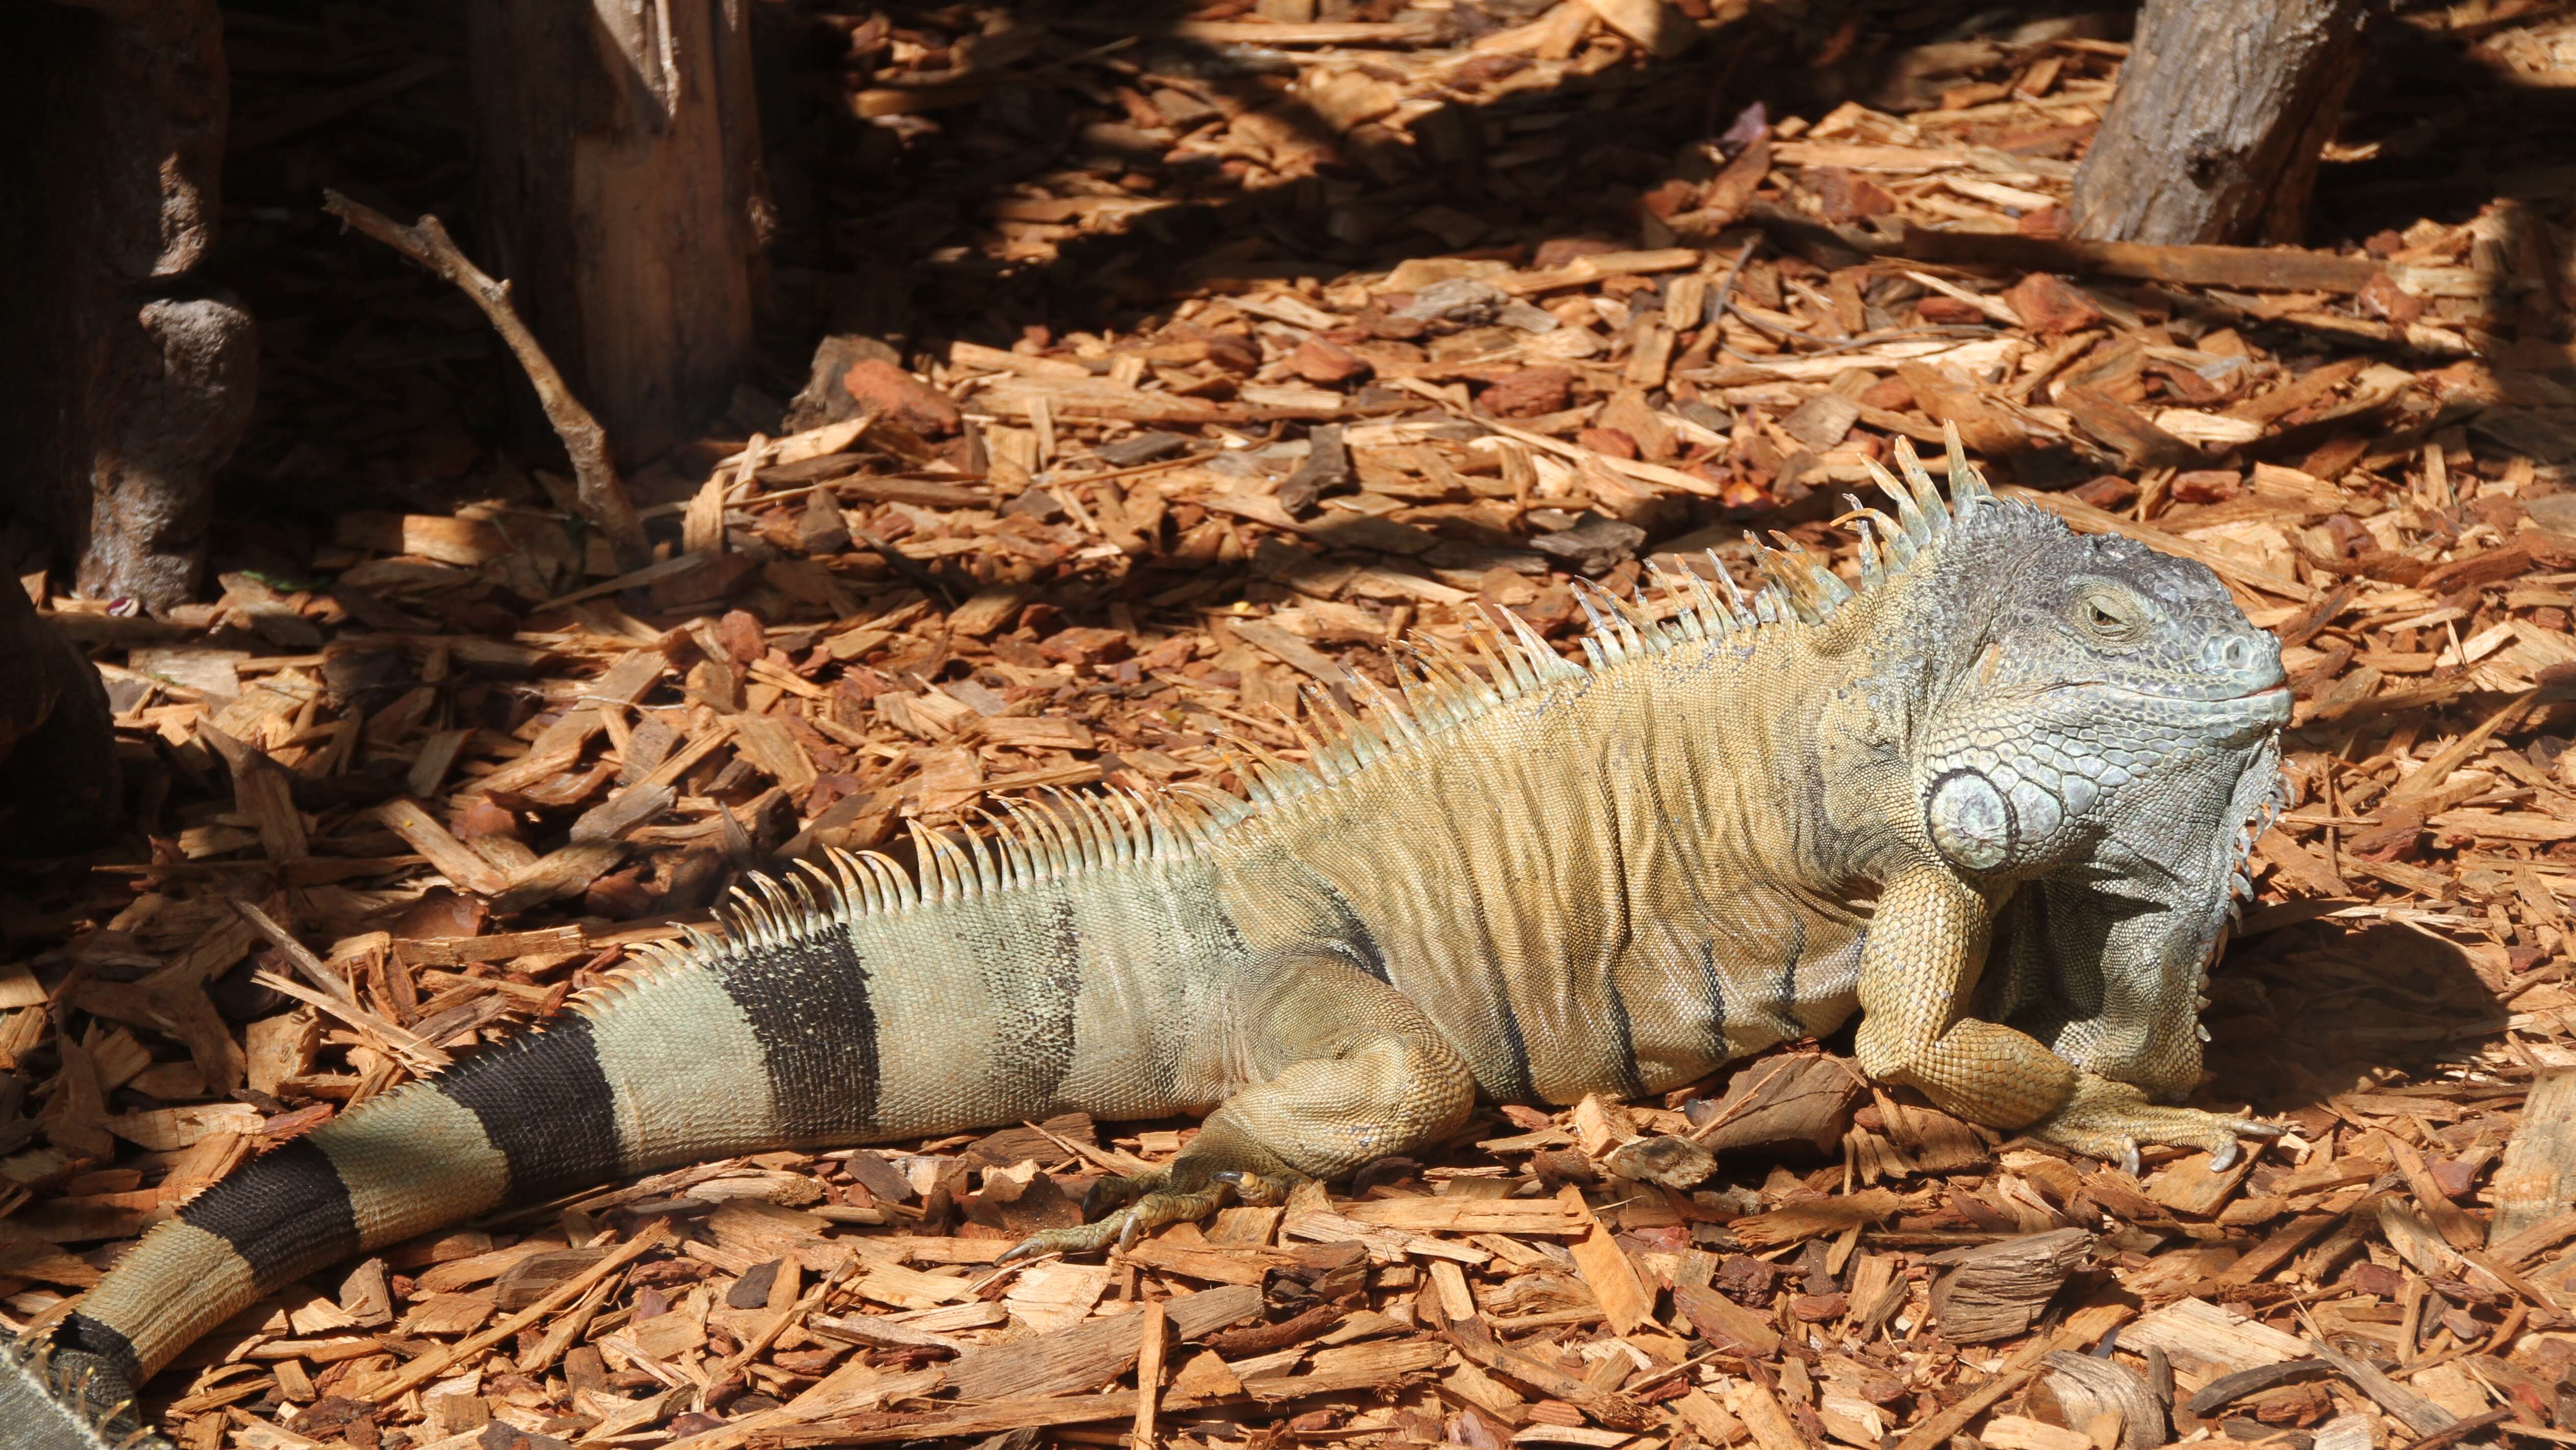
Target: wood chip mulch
pixel 406 796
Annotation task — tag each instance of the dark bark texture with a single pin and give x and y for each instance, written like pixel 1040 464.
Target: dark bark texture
pixel 60 787
pixel 2222 116
pixel 620 165
pixel 128 381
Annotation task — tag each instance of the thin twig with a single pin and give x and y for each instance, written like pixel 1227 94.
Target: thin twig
pixel 599 492
pixel 1726 292
pixel 1893 334
pixel 1725 306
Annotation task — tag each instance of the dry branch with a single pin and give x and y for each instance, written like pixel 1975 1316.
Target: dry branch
pixel 600 493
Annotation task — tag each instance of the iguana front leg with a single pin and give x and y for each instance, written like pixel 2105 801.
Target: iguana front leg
pixel 1347 1069
pixel 1926 948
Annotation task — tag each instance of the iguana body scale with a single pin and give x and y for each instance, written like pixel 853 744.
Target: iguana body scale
pixel 1532 881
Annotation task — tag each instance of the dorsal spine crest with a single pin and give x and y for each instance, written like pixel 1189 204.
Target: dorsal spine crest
pixel 1440 685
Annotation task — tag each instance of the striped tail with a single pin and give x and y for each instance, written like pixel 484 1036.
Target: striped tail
pixel 838 1009
pixel 679 1064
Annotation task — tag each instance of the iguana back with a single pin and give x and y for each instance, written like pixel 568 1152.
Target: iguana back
pixel 1591 880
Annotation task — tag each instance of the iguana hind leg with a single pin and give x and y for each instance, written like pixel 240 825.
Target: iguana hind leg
pixel 1927 945
pixel 1352 1070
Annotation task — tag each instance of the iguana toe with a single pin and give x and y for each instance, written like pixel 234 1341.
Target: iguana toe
pixel 1151 1211
pixel 1119 1209
pixel 1256 1188
pixel 1116 1192
pixel 2109 1120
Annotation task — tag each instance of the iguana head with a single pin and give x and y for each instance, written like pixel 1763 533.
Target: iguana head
pixel 2066 696
pixel 2089 723
pixel 2107 680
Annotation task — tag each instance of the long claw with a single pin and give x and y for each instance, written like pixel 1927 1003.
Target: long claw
pixel 2110 1119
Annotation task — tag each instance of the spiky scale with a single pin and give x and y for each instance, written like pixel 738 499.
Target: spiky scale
pixel 1967 485
pixel 1927 494
pixel 1599 642
pixel 1829 587
pixel 1737 601
pixel 1912 526
pixel 1873 568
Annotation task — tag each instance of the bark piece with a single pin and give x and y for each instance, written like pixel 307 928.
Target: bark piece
pixel 1802 1100
pixel 2192 1186
pixel 2204 1340
pixel 2080 1387
pixel 1936 1141
pixel 2537 1179
pixel 1725 1324
pixel 1528 392
pixel 61 788
pixel 1593 545
pixel 2227 1389
pixel 1995 1291
pixel 2220 123
pixel 1615 1283
pixel 1088 1355
pixel 1982 426
pixel 824 399
pixel 2136 436
pixel 882 387
pixel 1675 1163
pixel 2051 305
pixel 1327 466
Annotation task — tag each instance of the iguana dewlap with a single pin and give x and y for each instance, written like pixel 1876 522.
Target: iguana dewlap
pixel 1996 798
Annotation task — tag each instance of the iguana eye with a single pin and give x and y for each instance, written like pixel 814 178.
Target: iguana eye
pixel 2109 615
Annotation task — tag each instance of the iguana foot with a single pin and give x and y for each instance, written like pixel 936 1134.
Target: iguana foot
pixel 55 1398
pixel 1118 1209
pixel 2110 1119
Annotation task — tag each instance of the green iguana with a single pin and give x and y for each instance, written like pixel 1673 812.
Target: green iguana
pixel 1997 799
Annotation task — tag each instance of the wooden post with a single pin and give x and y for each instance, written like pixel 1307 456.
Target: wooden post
pixel 2222 115
pixel 620 152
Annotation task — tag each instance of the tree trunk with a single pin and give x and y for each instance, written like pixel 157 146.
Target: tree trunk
pixel 127 381
pixel 620 150
pixel 2222 115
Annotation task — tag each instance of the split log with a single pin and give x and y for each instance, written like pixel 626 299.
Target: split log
pixel 128 380
pixel 620 150
pixel 2221 120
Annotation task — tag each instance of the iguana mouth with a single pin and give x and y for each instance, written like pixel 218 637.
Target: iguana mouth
pixel 2269 705
pixel 2263 709
pixel 2267 695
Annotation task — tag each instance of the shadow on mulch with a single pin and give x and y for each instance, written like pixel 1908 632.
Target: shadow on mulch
pixel 2326 1007
pixel 383 387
